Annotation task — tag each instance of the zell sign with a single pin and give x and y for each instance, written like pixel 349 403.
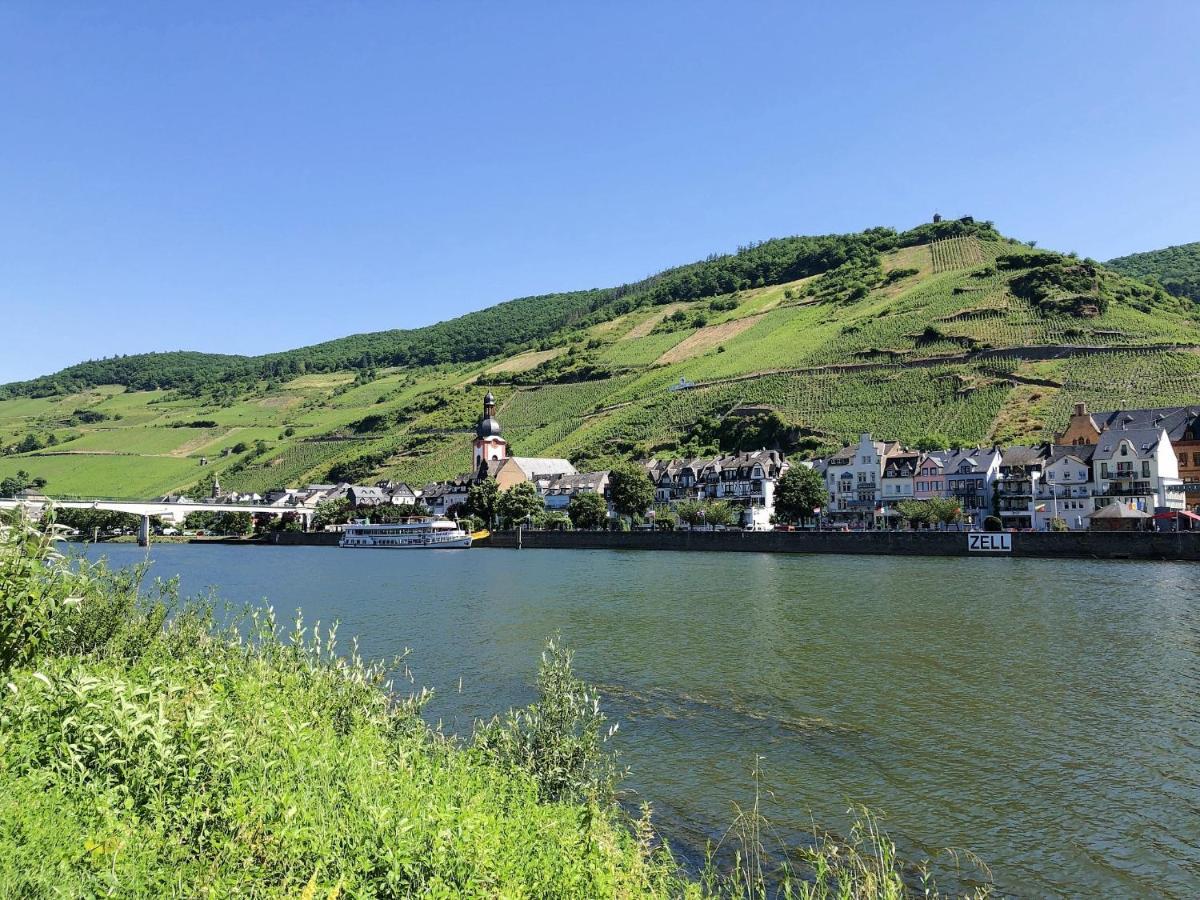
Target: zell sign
pixel 989 542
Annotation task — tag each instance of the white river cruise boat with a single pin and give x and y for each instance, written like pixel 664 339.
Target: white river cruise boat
pixel 412 534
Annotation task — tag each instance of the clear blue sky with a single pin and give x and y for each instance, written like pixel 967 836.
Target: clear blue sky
pixel 248 177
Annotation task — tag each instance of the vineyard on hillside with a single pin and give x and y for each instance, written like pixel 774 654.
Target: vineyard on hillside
pixel 903 340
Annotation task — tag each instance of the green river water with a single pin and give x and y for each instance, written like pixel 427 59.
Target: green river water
pixel 1043 714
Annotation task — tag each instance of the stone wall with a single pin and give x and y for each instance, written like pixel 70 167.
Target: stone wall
pixel 1069 545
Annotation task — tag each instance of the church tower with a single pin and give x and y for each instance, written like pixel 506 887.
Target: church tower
pixel 488 443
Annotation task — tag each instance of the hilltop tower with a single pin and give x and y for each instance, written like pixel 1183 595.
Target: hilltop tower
pixel 489 445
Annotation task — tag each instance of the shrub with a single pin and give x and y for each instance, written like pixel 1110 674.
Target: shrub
pixel 559 739
pixel 993 523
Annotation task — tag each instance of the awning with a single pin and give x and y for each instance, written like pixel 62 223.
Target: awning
pixel 1170 514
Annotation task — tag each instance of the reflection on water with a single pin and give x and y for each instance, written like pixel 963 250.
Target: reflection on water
pixel 1043 714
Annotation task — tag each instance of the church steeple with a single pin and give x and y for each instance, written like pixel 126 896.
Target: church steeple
pixel 489 445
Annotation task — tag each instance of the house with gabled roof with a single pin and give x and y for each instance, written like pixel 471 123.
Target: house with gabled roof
pixel 1137 467
pixel 1067 490
pixel 1181 423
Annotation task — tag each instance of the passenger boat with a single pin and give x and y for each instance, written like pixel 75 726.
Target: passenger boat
pixel 425 532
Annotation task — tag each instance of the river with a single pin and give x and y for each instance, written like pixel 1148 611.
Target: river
pixel 1043 714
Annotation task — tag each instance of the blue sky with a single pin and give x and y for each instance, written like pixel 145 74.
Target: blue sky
pixel 248 177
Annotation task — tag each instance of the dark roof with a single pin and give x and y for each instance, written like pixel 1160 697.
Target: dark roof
pixel 1144 441
pixel 1174 420
pixel 1023 456
pixel 1082 452
pixel 487 427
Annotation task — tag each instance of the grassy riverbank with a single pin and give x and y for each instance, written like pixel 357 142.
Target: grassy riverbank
pixel 147 751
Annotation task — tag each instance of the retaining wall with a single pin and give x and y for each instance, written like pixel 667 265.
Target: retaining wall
pixel 1070 545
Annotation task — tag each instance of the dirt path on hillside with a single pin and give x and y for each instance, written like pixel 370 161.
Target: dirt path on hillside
pixel 643 328
pixel 706 338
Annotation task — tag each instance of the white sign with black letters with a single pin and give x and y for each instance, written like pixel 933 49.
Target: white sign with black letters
pixel 989 542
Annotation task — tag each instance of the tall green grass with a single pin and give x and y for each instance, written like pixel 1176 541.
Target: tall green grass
pixel 148 751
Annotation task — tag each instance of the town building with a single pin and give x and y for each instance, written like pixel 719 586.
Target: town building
pixel 1017 483
pixel 747 480
pixel 1067 490
pixel 536 469
pixel 1138 468
pixel 1181 423
pixel 930 480
pixel 359 495
pixel 970 478
pixel 561 489
pixel 853 477
pixel 443 497
pixel 899 474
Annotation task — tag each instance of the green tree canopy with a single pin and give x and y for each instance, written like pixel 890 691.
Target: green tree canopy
pixel 518 503
pixel 481 500
pixel 588 511
pixel 631 489
pixel 800 491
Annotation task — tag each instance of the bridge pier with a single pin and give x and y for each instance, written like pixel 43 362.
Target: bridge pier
pixel 144 532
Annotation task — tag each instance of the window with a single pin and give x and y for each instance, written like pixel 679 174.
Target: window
pixel 1145 468
pixel 1196 459
pixel 1103 470
pixel 1124 449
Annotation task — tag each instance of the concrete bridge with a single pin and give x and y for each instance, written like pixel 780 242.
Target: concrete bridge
pixel 169 511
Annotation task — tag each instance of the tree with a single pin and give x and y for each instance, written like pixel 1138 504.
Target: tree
pixel 481 500
pixel 690 512
pixel 331 512
pixel 552 520
pixel 719 512
pixel 518 503
pixel 87 521
pixel 14 484
pixel 631 489
pixel 944 511
pixel 915 512
pixel 798 493
pixel 588 511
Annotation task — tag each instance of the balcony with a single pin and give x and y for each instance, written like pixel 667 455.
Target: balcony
pixel 1136 489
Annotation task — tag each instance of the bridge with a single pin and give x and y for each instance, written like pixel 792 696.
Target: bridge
pixel 174 511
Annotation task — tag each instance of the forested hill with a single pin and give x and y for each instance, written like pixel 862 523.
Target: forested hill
pixel 1176 268
pixel 947 333
pixel 497 330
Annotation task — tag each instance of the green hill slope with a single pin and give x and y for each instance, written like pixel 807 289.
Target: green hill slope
pixel 1175 268
pixel 946 331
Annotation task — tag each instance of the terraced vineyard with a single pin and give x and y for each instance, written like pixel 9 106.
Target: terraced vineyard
pixel 956 253
pixel 955 336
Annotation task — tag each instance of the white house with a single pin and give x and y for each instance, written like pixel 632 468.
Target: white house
pixel 1137 467
pixel 1066 489
pixel 853 477
pixel 899 471
pixel 746 480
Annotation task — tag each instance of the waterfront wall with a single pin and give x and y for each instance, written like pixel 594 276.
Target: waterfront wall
pixel 1069 545
pixel 304 539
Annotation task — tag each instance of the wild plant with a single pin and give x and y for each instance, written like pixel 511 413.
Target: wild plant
pixel 560 738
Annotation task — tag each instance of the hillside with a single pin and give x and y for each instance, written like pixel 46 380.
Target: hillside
pixel 946 331
pixel 1175 268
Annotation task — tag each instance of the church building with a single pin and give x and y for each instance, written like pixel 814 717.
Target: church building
pixel 489 445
